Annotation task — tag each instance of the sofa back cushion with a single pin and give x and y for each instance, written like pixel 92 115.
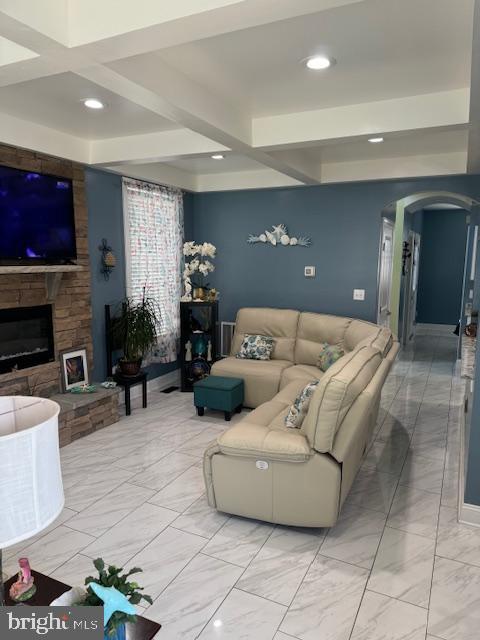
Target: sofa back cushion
pixel 361 333
pixel 339 387
pixel 314 329
pixel 281 324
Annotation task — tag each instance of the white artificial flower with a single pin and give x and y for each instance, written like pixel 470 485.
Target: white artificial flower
pixel 189 248
pixel 209 266
pixel 208 249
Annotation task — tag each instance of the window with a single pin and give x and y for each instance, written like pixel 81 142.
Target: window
pixel 153 248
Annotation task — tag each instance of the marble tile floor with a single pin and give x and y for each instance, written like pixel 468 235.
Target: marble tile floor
pixel 397 566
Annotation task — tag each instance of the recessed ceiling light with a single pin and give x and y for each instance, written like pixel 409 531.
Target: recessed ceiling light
pixel 217 623
pixel 217 156
pixel 375 140
pixel 93 103
pixel 319 62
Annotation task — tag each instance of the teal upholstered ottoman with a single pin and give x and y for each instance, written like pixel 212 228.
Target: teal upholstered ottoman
pixel 218 392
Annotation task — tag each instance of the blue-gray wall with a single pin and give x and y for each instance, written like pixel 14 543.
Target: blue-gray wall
pixel 105 220
pixel 442 257
pixel 343 221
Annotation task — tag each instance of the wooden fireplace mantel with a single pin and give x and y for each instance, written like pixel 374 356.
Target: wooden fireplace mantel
pixel 53 274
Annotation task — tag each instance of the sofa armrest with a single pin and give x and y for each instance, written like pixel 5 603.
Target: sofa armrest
pixel 254 440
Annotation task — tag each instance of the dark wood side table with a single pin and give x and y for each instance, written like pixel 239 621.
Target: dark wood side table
pixel 48 589
pixel 127 382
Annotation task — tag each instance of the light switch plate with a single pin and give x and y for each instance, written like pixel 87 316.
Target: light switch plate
pixel 309 272
pixel 359 294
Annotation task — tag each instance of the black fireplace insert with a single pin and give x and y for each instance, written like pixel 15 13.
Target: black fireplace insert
pixel 26 337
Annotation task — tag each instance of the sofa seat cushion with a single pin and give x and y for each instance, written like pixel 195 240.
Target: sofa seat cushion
pixel 300 372
pixel 266 413
pixel 261 377
pixel 255 440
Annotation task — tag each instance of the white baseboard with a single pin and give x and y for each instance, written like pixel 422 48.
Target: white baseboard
pixel 434 329
pixel 156 384
pixel 469 514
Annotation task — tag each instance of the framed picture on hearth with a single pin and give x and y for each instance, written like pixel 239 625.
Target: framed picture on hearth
pixel 74 368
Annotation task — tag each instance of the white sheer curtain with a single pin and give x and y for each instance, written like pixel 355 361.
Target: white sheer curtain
pixel 153 217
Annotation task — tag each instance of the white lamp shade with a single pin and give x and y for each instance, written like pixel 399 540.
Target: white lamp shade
pixel 31 489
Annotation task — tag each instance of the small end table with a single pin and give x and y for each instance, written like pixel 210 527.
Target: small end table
pixel 127 382
pixel 48 589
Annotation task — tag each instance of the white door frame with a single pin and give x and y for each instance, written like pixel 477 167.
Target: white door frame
pixel 411 289
pixel 388 227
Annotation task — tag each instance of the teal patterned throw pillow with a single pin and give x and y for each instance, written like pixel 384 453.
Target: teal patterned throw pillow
pixel 256 347
pixel 329 354
pixel 299 409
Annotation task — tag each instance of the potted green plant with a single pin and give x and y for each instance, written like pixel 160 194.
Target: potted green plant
pixel 136 330
pixel 113 577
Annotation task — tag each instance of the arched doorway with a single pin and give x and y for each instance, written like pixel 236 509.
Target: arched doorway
pixel 395 214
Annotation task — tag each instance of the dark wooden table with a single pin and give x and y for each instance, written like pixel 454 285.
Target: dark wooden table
pixel 127 382
pixel 48 589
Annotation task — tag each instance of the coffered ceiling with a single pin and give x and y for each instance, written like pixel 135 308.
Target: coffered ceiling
pixel 182 81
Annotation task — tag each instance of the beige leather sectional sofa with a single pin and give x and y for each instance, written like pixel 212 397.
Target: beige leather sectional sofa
pixel 260 469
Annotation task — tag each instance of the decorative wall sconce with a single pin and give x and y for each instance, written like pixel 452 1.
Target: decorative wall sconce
pixel 109 260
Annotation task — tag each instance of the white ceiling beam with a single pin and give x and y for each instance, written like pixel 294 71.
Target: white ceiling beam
pixel 149 25
pixel 244 180
pixel 151 147
pixel 160 88
pixel 163 174
pixel 447 108
pixel 187 103
pixel 49 17
pixel 439 164
pixel 165 92
pixel 21 133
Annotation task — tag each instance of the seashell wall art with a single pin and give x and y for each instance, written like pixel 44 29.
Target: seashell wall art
pixel 279 236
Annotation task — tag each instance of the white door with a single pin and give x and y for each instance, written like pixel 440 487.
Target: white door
pixel 385 273
pixel 411 291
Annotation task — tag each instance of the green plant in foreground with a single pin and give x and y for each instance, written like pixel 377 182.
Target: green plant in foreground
pixel 113 577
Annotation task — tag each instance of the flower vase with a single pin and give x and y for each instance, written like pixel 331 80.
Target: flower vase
pixel 118 634
pixel 199 293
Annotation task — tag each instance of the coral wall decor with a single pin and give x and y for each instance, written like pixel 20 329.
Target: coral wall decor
pixel 279 236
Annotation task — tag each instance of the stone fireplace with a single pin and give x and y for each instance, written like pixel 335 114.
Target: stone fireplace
pixel 45 311
pixel 26 337
pixel 36 299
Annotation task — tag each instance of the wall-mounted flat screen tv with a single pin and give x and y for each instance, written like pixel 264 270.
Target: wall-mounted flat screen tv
pixel 37 222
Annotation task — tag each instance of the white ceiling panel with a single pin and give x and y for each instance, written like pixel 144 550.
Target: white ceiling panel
pixel 383 48
pixel 57 102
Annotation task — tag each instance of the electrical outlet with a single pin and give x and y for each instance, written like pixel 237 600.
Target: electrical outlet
pixel 309 272
pixel 359 294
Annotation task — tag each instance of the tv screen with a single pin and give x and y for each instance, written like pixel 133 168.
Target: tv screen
pixel 37 224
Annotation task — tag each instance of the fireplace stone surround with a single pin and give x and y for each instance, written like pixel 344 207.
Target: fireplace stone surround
pixel 71 307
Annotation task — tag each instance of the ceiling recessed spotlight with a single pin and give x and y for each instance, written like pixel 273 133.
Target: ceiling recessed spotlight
pixel 375 140
pixel 318 63
pixel 217 156
pixel 93 103
pixel 217 623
